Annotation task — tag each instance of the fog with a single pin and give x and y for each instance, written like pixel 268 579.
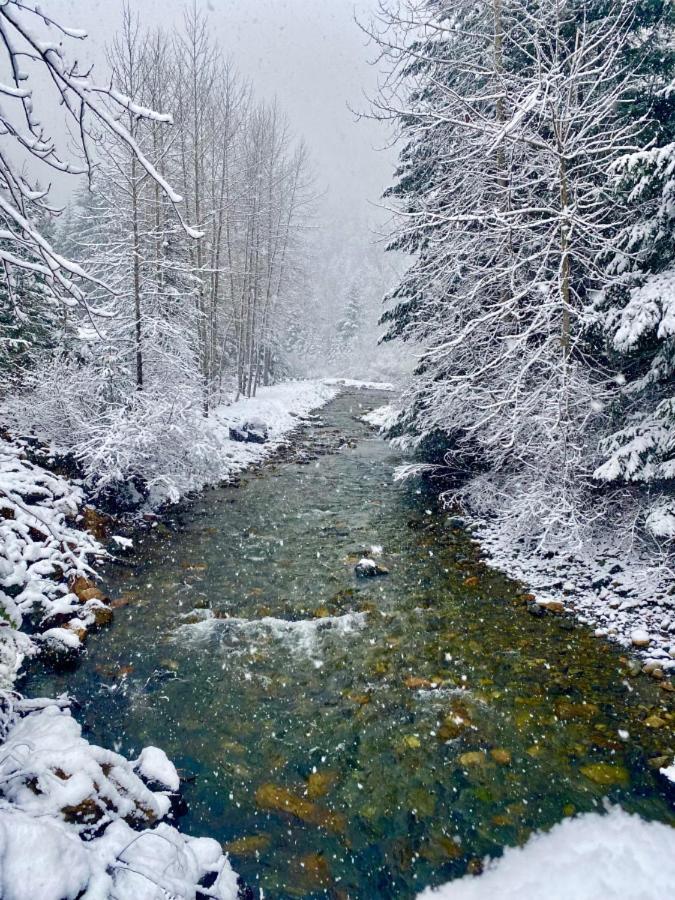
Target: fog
pixel 312 56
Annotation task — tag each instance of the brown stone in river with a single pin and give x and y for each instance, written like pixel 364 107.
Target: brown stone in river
pixel 119 602
pixel 655 722
pixel 415 683
pixel 565 709
pixel 361 699
pixel 96 523
pixel 319 783
pixel 311 873
pixel 92 593
pixel 279 799
pixel 503 757
pixel 473 758
pixel 474 866
pixel 249 845
pixel 84 589
pixel 102 615
pixel 78 629
pixel 606 773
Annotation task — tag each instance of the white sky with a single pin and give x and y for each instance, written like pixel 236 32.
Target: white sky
pixel 311 55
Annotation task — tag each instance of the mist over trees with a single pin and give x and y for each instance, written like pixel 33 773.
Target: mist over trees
pixel 117 356
pixel 535 195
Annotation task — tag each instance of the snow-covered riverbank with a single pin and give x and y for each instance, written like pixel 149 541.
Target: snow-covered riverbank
pixel 625 596
pixel 589 857
pixel 94 821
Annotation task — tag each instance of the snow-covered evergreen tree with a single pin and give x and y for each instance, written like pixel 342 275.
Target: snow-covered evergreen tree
pixel 505 206
pixel 636 318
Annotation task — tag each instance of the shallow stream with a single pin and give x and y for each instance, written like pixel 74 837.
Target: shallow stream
pixel 357 737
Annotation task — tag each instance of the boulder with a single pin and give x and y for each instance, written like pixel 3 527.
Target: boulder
pixel 368 568
pixel 253 432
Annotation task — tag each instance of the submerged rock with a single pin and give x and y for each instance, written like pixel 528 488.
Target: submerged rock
pixel 502 757
pixel 249 845
pixel 473 758
pixel 319 783
pixel 606 773
pixel 279 799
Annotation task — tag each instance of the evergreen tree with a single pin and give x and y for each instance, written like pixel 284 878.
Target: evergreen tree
pixel 635 320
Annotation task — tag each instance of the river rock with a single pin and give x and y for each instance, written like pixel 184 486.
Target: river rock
pixel 279 799
pixel 655 721
pixel 320 783
pixel 640 638
pixel 606 773
pixel 368 568
pixel 556 606
pixel 253 432
pixel 535 609
pixel 472 758
pixel 502 757
pixel 84 589
pixel 249 845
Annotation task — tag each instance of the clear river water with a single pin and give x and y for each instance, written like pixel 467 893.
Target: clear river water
pixel 350 737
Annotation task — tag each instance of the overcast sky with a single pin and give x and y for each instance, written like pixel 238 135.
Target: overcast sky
pixel 311 55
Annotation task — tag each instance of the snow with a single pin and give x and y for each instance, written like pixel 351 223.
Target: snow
pixel 591 857
pixel 64 869
pixel 669 772
pixel 154 765
pixel 68 804
pixel 383 417
pixel 37 541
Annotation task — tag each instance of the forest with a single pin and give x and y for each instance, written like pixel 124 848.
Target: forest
pixel 297 490
pixel 536 186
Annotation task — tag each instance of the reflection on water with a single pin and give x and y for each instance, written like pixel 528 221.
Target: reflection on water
pixel 358 738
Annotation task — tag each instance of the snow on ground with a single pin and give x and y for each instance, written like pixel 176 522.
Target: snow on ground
pixel 616 856
pixel 41 552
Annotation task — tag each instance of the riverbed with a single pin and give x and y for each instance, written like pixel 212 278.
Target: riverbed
pixel 357 737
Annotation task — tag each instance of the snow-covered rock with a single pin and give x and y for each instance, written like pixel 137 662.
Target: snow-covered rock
pixel 77 820
pixel 155 766
pixel 640 638
pixel 368 568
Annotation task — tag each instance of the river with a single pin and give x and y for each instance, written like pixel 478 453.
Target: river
pixel 353 737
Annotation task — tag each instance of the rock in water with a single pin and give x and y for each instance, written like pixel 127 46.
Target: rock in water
pixel 368 568
pixel 606 773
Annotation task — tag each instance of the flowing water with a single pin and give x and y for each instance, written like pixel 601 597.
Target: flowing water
pixel 357 737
